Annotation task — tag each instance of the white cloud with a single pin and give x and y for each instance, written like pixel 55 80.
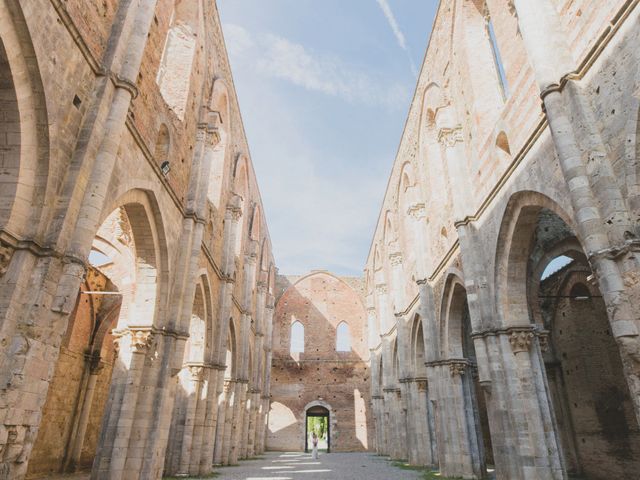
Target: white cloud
pixel 393 23
pixel 280 58
pixel 319 217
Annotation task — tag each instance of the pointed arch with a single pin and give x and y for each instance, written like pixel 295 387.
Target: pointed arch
pixel 24 129
pixel 174 75
pixel 220 105
pixel 297 339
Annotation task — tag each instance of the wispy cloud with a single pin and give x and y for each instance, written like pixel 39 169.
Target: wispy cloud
pixel 397 32
pixel 278 57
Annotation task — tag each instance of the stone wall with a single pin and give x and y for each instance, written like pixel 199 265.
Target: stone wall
pixel 488 188
pixel 336 380
pixel 113 174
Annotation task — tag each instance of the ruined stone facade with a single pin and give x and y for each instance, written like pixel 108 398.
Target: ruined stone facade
pixel 136 271
pixel 331 371
pixel 521 148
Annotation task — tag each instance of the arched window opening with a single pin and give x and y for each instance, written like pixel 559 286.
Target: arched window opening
pixel 343 338
pixel 297 337
pixel 497 58
pixel 174 73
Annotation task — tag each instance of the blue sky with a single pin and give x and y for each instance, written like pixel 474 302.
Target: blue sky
pixel 324 88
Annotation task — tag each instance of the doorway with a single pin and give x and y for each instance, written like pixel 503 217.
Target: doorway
pixel 317 420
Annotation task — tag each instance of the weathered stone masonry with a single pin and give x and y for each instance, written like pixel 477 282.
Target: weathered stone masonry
pixel 521 147
pixel 135 262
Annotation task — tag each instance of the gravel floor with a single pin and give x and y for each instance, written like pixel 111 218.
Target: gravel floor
pixel 332 466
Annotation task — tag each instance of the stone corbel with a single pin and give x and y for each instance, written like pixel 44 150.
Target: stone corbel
pixel 543 340
pixel 141 340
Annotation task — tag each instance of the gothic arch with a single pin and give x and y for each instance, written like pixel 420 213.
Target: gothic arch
pixel 513 248
pixel 179 55
pixel 453 303
pixel 418 356
pixel 138 211
pixel 28 184
pixel 220 104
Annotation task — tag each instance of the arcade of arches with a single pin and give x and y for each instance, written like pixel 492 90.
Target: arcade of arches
pixel 144 330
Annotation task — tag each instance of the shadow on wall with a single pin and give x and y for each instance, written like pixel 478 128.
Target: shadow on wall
pixel 320 303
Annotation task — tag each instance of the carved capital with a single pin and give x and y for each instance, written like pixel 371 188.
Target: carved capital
pixel 141 340
pixel 417 211
pixel 520 340
pixel 381 288
pixel 457 367
pixel 448 137
pixel 196 371
pixel 395 259
pixel 235 213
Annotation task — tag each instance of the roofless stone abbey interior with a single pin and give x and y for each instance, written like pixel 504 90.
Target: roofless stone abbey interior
pixel 146 332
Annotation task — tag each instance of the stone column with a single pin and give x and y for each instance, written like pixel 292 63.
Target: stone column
pixel 609 237
pixel 230 405
pixel 93 367
pixel 210 420
pixel 110 462
pixel 195 373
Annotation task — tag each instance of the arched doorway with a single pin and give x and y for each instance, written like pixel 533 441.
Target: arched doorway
pixel 317 420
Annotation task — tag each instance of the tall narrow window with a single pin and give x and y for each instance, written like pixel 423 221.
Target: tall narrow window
pixel 497 58
pixel 343 338
pixel 297 337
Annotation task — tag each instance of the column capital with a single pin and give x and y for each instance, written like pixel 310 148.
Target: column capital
pixel 141 339
pixel 417 211
pixel 520 340
pixel 448 137
pixel 395 259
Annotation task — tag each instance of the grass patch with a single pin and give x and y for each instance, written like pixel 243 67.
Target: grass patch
pixel 427 473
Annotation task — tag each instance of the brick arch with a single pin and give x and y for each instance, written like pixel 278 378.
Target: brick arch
pixel 513 247
pixel 28 185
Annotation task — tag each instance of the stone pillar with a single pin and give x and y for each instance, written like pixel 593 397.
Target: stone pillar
pixel 230 405
pixel 609 237
pixel 93 368
pixel 195 373
pixel 133 347
pixel 210 420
